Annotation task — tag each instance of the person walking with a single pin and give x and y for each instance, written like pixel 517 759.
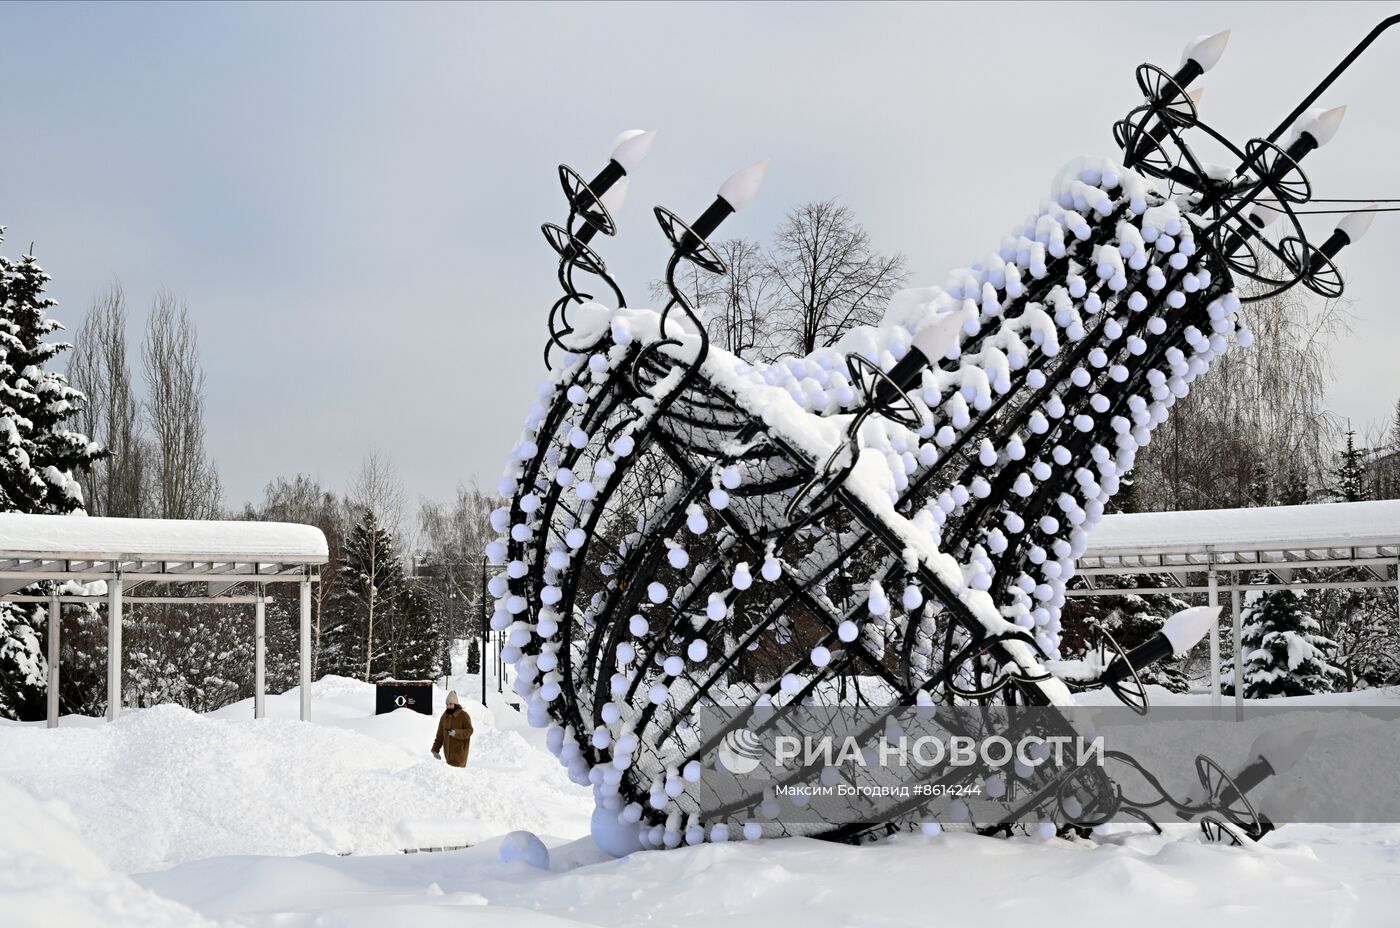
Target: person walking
pixel 454 732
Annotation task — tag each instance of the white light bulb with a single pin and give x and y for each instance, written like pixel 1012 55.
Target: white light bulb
pixel 1206 50
pixel 632 147
pixel 1282 748
pixel 1354 225
pixel 1323 124
pixel 1187 627
pixel 742 186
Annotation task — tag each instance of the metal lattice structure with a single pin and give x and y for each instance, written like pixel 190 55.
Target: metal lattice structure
pixel 888 523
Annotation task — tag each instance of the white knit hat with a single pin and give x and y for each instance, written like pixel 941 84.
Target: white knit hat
pixel 452 699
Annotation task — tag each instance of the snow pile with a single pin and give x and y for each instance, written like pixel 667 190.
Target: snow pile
pixel 166 785
pixel 49 876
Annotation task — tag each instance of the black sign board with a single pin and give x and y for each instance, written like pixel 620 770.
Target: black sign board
pixel 403 694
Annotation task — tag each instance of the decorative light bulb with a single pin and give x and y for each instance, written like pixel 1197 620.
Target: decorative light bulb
pixel 1355 225
pixel 632 147
pixel 1189 626
pixel 1206 50
pixel 742 186
pixel 1323 124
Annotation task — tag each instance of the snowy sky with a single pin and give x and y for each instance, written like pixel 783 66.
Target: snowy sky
pixel 349 196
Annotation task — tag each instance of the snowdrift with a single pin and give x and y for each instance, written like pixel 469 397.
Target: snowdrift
pixel 164 785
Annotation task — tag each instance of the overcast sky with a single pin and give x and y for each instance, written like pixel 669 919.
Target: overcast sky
pixel 349 196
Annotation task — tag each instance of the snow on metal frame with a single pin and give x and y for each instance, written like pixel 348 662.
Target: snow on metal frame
pixel 1230 533
pixel 33 537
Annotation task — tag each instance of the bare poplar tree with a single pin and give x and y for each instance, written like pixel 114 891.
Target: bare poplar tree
pixel 184 483
pixel 112 416
pixel 827 277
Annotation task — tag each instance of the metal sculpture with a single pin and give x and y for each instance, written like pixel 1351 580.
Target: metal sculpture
pixel 687 531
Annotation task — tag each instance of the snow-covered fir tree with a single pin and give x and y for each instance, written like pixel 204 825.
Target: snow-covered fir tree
pixel 39 456
pixel 1285 653
pixel 380 625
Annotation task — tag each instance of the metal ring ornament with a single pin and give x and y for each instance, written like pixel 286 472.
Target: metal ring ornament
pixel 869 377
pixel 1276 168
pixel 1324 279
pixel 573 250
pixel 688 244
pixel 1141 151
pixel 583 201
pixel 1132 694
pixel 1165 96
pixel 1216 781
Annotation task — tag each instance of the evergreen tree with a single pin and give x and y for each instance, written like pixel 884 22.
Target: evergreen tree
pixel 39 458
pixel 380 625
pixel 1285 653
pixel 1349 478
pixel 417 646
pixel 369 589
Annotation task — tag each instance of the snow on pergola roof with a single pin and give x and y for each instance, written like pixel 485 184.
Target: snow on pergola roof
pixel 84 548
pixel 128 554
pixel 1333 534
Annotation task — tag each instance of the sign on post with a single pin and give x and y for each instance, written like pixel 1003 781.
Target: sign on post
pixel 403 694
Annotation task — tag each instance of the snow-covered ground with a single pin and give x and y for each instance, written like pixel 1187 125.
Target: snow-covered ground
pixel 173 818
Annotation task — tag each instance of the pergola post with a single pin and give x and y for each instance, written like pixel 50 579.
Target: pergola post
pixel 1236 632
pixel 114 646
pixel 305 688
pixel 1213 599
pixel 55 630
pixel 259 651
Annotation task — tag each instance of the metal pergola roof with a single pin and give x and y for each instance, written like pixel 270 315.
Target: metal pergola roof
pixel 1364 534
pixel 107 559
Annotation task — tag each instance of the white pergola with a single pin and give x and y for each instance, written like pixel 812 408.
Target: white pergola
pixel 235 561
pixel 1198 550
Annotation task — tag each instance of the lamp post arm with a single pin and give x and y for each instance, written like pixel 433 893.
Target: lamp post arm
pixel 1336 73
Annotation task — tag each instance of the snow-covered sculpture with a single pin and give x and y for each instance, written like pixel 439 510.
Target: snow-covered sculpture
pixel 892 519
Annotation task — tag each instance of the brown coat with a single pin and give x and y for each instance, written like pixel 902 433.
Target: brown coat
pixel 455 719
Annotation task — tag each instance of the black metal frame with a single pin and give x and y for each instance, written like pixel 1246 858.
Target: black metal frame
pixel 661 436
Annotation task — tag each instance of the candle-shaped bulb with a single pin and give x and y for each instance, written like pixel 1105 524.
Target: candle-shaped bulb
pixel 1354 225
pixel 1189 626
pixel 1323 124
pixel 1206 50
pixel 632 147
pixel 742 186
